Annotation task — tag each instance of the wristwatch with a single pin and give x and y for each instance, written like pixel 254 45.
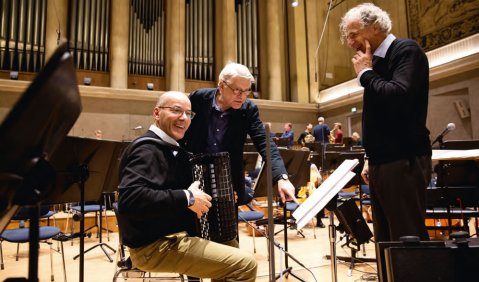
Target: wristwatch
pixel 284 176
pixel 191 199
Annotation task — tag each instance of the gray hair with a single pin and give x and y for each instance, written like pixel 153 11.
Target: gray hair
pixel 367 14
pixel 232 70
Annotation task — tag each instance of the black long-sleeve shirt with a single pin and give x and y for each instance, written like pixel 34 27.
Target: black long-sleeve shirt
pixel 395 104
pixel 152 201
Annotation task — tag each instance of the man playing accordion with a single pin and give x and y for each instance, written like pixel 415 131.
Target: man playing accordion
pixel 159 203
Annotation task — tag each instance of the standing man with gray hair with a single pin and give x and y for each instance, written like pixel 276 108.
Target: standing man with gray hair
pixel 224 115
pixel 395 76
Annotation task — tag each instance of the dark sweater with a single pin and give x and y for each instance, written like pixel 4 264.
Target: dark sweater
pixel 395 104
pixel 152 202
pixel 242 121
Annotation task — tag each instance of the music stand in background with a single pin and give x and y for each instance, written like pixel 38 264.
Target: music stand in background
pixel 297 165
pixel 83 166
pixel 249 161
pixel 29 135
pixel 457 173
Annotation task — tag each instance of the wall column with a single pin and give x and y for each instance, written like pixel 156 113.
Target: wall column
pixel 119 27
pixel 225 34
pixel 175 45
pixel 272 50
pixel 298 55
pixel 57 12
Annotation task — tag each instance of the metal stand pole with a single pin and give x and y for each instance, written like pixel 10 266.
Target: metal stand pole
pixel 332 245
pixel 269 182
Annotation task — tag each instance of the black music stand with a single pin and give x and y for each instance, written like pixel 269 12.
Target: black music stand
pixel 113 174
pixel 325 197
pixel 297 165
pixel 249 161
pixel 351 221
pixel 30 133
pixel 457 173
pixel 83 166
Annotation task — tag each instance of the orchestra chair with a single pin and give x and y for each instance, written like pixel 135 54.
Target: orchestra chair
pixel 250 216
pixel 99 209
pixel 365 199
pixel 289 222
pixel 22 235
pixel 124 268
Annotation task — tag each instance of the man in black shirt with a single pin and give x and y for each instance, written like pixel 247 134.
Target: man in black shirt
pixel 158 203
pixel 395 76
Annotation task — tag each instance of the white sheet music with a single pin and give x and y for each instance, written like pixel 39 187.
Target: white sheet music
pixel 472 154
pixel 325 192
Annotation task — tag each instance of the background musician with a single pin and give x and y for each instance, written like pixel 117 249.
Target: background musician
pixel 356 139
pixel 395 82
pixel 321 131
pixel 308 132
pixel 158 204
pixel 337 133
pixel 288 134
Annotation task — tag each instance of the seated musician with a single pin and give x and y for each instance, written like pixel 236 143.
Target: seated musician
pixel 159 203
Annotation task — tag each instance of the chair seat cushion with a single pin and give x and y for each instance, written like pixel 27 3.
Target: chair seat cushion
pixel 88 208
pixel 250 215
pixel 291 206
pixel 366 202
pixel 21 235
pixel 347 195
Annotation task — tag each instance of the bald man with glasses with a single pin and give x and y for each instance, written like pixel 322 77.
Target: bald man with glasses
pixel 158 203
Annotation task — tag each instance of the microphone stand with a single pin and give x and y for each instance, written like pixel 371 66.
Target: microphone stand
pixel 439 140
pixel 332 247
pixel 269 182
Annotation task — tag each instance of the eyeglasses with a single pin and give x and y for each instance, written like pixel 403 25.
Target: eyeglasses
pixel 238 91
pixel 351 35
pixel 179 111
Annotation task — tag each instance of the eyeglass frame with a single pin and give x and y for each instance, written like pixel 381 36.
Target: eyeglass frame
pixel 238 91
pixel 179 112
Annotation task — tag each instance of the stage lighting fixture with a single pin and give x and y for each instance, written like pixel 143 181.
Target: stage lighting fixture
pixel 14 75
pixel 87 80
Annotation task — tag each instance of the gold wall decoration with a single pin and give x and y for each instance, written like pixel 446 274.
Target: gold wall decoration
pixel 434 23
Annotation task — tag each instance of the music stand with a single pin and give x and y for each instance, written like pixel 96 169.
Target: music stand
pixel 113 174
pixel 322 197
pixel 297 166
pixel 83 166
pixel 30 133
pixel 457 173
pixel 249 161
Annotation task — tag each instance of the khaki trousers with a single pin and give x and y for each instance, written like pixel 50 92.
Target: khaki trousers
pixel 193 256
